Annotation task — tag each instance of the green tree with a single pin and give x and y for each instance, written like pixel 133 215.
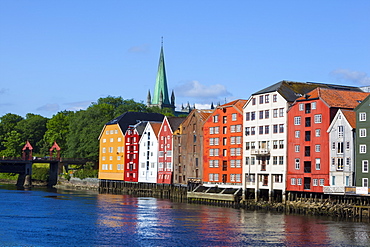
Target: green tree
pixel 33 128
pixel 57 130
pixel 7 124
pixel 84 129
pixel 13 144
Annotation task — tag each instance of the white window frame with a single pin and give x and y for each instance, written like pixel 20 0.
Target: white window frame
pixel 362 132
pixel 297 120
pixel 362 148
pixel 362 116
pixel 318 118
pixel 365 166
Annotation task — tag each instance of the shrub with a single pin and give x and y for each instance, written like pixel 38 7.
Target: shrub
pixel 85 173
pixel 40 173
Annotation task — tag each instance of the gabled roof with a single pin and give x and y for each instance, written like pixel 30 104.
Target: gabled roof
pixel 364 101
pixel 201 114
pixel 156 126
pixel 336 98
pixel 140 126
pixel 350 116
pixel 291 90
pixel 239 103
pixel 175 122
pixel 131 118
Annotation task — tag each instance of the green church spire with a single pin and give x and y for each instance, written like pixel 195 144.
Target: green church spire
pixel 161 83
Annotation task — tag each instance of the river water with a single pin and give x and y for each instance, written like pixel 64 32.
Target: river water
pixel 50 217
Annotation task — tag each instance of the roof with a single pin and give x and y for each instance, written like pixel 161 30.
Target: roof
pixel 336 98
pixel 156 127
pixel 350 116
pixel 160 90
pixel 201 114
pixel 291 90
pixel 140 126
pixel 239 103
pixel 175 122
pixel 131 118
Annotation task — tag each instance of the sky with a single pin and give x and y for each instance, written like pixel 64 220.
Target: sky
pixel 64 55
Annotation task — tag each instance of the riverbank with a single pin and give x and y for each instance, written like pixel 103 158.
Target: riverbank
pixel 78 184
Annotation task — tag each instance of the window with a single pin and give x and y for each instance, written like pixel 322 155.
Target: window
pixel 340 164
pixel 313 105
pixel 332 180
pixel 340 131
pixel 299 181
pixel 297 148
pixel 318 132
pixel 307 122
pixel 267 129
pixel 307 136
pixel 348 161
pixel 275 128
pixel 362 132
pixel 333 145
pixel 224 152
pixel 211 130
pixel 365 182
pixel 247 131
pixel 238 163
pixel 232 151
pixel 253 130
pixel 297 164
pixel 233 117
pixel 281 160
pixel 216 141
pixel 247 116
pixel 362 116
pixel 318 163
pixel 104 150
pixel 292 181
pixel 297 120
pixel 261 114
pixel 211 141
pixel 215 177
pixel 104 140
pixel 215 119
pixel 224 130
pixel 297 134
pixel 347 180
pixel 224 119
pixel 232 163
pixel 318 118
pixel 253 115
pixel 317 148
pixel 275 113
pixel 267 114
pixel 274 160
pixel 281 144
pixel 274 98
pixel 315 182
pixel 238 128
pixel 267 99
pixel 253 160
pixel 307 151
pixel 365 166
pixel 260 130
pixel 211 177
pixel 362 149
pixel 232 140
pixel 261 99
pixel 274 144
pixel 238 140
pixel 281 128
pixel 217 130
pixel 322 182
pixel 301 107
pixel 253 145
pixel 281 112
pixel 340 147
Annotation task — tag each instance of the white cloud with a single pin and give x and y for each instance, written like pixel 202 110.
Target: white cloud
pixel 76 106
pixel 194 89
pixel 139 49
pixel 356 77
pixel 49 108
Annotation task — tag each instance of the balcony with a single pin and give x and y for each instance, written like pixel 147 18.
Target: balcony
pixel 261 152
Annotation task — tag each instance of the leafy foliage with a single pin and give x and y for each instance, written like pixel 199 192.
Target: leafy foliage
pixel 40 173
pixel 12 145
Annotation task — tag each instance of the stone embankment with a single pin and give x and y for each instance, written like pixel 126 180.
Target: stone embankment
pixel 78 184
pixel 339 207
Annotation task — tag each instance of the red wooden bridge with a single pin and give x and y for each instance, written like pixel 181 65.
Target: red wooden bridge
pixel 23 166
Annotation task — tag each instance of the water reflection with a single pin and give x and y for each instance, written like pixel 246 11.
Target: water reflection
pixel 40 218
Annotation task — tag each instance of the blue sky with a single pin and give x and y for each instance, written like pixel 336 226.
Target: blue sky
pixel 63 55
